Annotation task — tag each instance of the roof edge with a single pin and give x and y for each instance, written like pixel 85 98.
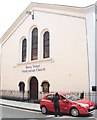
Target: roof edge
pixel 23 15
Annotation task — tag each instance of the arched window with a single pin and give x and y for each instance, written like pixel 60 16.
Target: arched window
pixel 46 45
pixel 34 50
pixel 45 87
pixel 21 86
pixel 24 49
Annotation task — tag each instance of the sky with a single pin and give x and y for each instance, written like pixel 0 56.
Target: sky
pixel 10 10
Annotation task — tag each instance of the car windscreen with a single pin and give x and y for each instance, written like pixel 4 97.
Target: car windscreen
pixel 72 96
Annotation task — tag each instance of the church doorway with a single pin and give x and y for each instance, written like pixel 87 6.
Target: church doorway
pixel 33 88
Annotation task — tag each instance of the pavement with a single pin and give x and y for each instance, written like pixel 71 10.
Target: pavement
pixel 21 105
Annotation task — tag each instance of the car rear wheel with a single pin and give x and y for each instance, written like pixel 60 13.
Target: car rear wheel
pixel 43 109
pixel 74 112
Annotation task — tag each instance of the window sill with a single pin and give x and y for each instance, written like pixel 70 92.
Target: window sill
pixel 36 61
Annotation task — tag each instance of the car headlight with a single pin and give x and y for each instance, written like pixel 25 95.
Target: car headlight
pixel 83 105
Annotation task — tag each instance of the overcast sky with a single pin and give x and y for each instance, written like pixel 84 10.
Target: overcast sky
pixel 11 9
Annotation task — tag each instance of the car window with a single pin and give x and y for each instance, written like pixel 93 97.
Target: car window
pixel 62 98
pixel 72 96
pixel 50 97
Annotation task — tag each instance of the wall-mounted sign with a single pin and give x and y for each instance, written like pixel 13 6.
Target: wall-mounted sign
pixel 33 68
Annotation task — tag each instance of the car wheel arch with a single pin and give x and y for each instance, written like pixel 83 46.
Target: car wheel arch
pixel 74 108
pixel 45 108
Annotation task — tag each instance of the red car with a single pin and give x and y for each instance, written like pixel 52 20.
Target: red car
pixel 69 103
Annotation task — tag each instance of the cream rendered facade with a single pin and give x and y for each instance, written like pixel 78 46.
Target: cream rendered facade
pixel 71 65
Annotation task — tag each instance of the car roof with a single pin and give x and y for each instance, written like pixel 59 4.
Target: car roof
pixel 52 93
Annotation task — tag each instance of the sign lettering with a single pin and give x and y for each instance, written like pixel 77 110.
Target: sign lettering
pixel 33 68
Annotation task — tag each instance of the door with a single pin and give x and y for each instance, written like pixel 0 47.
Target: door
pixel 64 105
pixel 49 103
pixel 34 88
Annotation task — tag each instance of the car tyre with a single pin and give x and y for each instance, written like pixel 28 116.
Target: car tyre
pixel 74 112
pixel 44 110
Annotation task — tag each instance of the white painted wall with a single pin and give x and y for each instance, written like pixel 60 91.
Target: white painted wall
pixel 0 66
pixel 90 23
pixel 96 49
pixel 96 45
pixel 67 68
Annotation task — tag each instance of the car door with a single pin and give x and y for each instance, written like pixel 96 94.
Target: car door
pixel 64 105
pixel 49 103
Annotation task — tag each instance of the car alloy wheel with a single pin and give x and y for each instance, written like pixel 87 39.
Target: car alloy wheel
pixel 43 109
pixel 74 112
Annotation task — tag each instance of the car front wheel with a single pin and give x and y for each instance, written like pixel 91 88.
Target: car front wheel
pixel 43 109
pixel 74 112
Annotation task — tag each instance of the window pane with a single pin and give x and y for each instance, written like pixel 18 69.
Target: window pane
pixel 46 45
pixel 34 53
pixel 46 54
pixel 46 35
pixel 24 47
pixel 46 48
pixel 50 97
pixel 35 46
pixel 46 42
pixel 34 40
pixel 35 32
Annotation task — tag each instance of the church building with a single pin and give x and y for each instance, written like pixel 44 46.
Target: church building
pixel 50 48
